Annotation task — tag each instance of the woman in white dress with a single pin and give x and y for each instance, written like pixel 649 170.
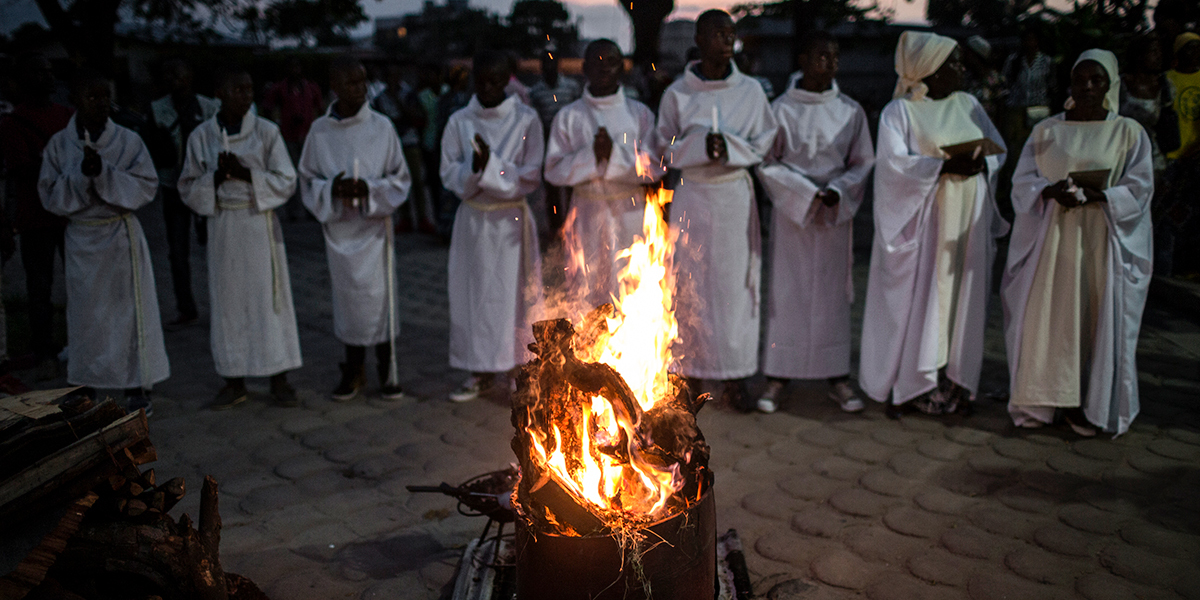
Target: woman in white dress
pixel 1080 259
pixel 936 222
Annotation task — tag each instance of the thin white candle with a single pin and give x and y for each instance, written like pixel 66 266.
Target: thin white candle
pixel 715 127
pixel 355 168
pixel 87 138
pixel 224 140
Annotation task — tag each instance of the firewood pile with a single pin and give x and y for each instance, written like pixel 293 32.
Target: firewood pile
pixel 117 539
pixel 552 391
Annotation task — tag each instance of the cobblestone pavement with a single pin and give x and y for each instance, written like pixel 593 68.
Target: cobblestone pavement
pixel 829 505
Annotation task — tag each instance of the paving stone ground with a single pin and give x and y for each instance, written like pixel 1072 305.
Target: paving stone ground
pixel 828 505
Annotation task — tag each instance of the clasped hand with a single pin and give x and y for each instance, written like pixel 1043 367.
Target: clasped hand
pixel 602 145
pixel 964 164
pixel 829 198
pixel 482 152
pixel 715 148
pixel 1063 194
pixel 349 191
pixel 229 167
pixel 91 164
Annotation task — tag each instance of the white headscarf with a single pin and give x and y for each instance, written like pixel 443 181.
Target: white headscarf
pixel 918 55
pixel 1108 60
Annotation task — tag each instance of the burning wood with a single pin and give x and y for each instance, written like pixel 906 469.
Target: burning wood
pixel 606 437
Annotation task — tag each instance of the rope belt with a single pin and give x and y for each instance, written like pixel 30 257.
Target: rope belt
pixel 390 264
pixel 598 192
pixel 135 262
pixel 277 269
pixel 528 235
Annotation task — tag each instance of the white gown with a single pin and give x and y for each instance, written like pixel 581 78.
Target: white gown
pixel 933 251
pixel 495 274
pixel 113 324
pixel 718 259
pixel 1105 366
pixel 824 143
pixel 358 241
pixel 607 200
pixel 253 319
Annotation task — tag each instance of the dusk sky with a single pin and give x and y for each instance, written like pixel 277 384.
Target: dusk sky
pixel 600 18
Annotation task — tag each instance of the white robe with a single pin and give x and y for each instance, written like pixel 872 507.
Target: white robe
pixel 719 257
pixel 607 200
pixel 495 274
pixel 113 323
pixel 253 319
pixel 1111 378
pixel 903 340
pixel 358 242
pixel 824 143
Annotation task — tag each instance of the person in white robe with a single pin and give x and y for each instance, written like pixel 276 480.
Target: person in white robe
pixel 96 173
pixel 937 158
pixel 714 124
pixel 595 146
pixel 1080 259
pixel 352 178
pixel 236 172
pixel 492 158
pixel 815 177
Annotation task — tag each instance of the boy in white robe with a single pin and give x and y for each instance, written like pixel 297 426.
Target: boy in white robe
pixel 815 178
pixel 96 173
pixel 714 123
pixel 1080 260
pixel 491 158
pixel 352 178
pixel 935 228
pixel 236 173
pixel 594 147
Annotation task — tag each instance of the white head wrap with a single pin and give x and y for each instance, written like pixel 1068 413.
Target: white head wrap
pixel 918 55
pixel 1108 60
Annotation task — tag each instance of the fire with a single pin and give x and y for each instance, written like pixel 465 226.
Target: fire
pixel 598 456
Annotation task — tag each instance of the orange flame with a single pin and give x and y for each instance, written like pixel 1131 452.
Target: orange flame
pixel 638 347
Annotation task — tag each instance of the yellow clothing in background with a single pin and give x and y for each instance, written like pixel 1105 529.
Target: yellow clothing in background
pixel 1187 106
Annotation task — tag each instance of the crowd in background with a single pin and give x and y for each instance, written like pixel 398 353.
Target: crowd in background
pixel 1159 88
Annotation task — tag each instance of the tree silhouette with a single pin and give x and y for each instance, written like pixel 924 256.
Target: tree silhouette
pixel 647 17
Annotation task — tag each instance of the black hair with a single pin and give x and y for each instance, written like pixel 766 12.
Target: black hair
pixel 87 77
pixel 595 46
pixel 816 38
pixel 710 17
pixel 489 59
pixel 1137 49
pixel 344 64
pixel 227 72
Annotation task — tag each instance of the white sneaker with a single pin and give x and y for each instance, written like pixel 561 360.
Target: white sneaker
pixel 767 401
pixel 844 395
pixel 469 391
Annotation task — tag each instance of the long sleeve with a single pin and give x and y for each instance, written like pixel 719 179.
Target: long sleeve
pixel 130 181
pixel 62 187
pixel 851 184
pixel 749 149
pixel 791 192
pixel 996 161
pixel 513 179
pixel 196 187
pixel 1028 183
pixel 622 165
pixel 275 182
pixel 455 168
pixel 388 191
pixel 570 162
pixel 1129 199
pixel 316 189
pixel 904 179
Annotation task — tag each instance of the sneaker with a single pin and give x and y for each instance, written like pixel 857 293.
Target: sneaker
pixel 388 390
pixel 768 400
pixel 284 395
pixel 353 380
pixel 228 398
pixel 845 397
pixel 1079 423
pixel 733 395
pixel 142 402
pixel 470 390
pixel 930 403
